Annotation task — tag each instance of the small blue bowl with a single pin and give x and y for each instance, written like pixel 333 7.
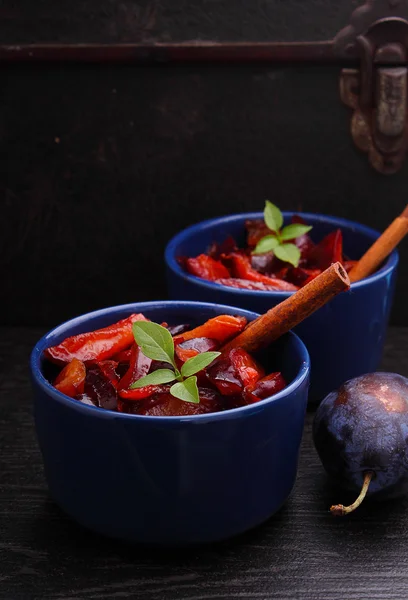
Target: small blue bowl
pixel 171 480
pixel 345 338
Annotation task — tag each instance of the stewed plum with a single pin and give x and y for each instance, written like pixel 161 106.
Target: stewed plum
pixel 265 270
pixel 194 377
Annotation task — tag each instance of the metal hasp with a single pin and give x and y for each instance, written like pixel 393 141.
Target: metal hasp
pixel 377 92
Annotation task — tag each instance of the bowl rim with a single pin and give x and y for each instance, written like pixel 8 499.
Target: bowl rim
pixel 244 411
pixel 188 232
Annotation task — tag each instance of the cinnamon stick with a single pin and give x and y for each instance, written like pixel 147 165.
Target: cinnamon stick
pixel 381 248
pixel 289 313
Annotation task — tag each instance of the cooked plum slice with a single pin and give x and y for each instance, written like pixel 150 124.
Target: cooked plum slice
pixel 100 389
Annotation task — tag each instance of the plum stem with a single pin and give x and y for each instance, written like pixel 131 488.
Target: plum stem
pixel 338 510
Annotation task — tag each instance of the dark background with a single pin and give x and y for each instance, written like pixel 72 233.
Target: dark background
pixel 101 164
pixel 24 21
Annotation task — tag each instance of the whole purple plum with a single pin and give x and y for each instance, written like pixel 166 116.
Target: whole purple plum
pixel 360 432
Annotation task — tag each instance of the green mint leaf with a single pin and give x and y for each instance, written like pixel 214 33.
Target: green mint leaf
pixel 266 244
pixel 155 341
pixel 288 253
pixel 198 363
pixel 186 390
pixel 156 378
pixel 273 216
pixel 291 232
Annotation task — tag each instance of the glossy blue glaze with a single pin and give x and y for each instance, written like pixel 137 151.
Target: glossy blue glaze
pixel 171 480
pixel 345 338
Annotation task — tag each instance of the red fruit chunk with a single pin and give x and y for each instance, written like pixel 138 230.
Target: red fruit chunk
pixel 138 367
pixel 100 389
pixel 249 371
pixel 206 267
pixel 216 250
pixel 95 345
pixel 299 275
pixel 123 356
pixel 349 264
pixel 137 401
pixel 241 268
pixel 71 379
pixel 264 388
pixel 136 408
pixel 195 346
pixel 139 393
pixel 232 373
pixel 256 230
pixel 169 406
pixel 279 285
pixel 271 266
pixel 328 251
pixel 224 377
pixel 108 368
pixel 221 328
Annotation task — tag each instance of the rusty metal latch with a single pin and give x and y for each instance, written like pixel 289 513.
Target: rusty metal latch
pixel 378 91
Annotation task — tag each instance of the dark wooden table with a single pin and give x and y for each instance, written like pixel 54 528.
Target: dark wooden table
pixel 302 552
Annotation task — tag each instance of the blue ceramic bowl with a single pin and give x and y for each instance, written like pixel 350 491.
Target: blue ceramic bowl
pixel 345 338
pixel 171 480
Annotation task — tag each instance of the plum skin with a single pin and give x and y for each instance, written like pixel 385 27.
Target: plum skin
pixel 363 426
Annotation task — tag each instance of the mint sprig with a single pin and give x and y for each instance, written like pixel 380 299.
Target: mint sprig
pixel 157 343
pixel 277 240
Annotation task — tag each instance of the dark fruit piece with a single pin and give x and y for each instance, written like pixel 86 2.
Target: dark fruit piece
pixel 167 405
pixel 361 433
pixel 177 329
pixel 191 348
pixel 249 371
pixel 138 367
pixel 136 401
pixel 100 389
pixel 108 368
pixel 122 369
pixel 264 263
pixel 264 388
pixel 299 276
pixel 328 251
pixel 224 376
pixel 158 364
pixel 216 250
pixel 256 230
pixel 303 242
pixel 231 373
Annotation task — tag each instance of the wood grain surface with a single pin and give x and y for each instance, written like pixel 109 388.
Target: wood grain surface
pixel 301 553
